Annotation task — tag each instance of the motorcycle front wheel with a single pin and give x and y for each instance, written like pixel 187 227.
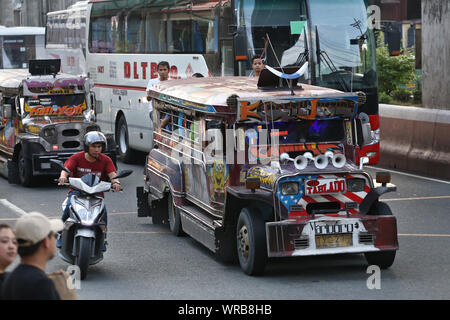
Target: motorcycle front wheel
pixel 83 255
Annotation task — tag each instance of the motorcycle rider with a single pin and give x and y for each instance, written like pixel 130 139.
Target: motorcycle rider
pixel 91 160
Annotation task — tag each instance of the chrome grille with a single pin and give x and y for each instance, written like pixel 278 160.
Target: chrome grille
pixel 301 243
pixel 366 238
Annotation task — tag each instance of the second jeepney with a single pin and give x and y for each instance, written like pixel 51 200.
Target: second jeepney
pixel 253 169
pixel 44 115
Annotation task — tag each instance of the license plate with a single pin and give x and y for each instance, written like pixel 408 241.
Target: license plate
pixel 325 186
pixel 334 240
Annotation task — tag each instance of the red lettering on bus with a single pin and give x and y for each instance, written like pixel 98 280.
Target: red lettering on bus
pixel 126 70
pixel 153 70
pixel 135 74
pixel 144 69
pixel 173 72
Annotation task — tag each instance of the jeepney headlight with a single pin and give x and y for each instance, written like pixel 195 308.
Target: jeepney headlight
pixel 356 185
pixel 289 188
pixel 49 132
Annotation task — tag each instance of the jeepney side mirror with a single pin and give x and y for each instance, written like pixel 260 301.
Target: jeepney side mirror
pixel 17 105
pixel 366 130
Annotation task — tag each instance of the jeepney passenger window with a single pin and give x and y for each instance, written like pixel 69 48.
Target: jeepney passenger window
pixel 219 133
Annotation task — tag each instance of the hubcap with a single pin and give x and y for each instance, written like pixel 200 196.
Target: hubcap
pixel 123 140
pixel 243 241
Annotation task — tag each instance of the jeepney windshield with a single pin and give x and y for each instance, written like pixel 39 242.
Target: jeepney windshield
pixel 55 106
pixel 294 132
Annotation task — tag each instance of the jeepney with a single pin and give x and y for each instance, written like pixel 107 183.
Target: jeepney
pixel 43 115
pixel 253 169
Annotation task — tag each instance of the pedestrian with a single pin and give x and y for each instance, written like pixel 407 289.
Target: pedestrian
pixel 8 250
pixel 257 66
pixel 36 237
pixel 163 75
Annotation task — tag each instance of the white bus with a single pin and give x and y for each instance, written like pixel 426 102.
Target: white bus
pixel 127 39
pixel 65 37
pixel 18 45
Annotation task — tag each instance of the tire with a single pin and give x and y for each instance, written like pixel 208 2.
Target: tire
pixel 124 152
pixel 174 218
pixel 159 211
pixel 84 253
pixel 25 169
pixel 383 259
pixel 380 209
pixel 251 242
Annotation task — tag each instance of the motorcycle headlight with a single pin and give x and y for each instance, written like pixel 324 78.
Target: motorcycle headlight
pixel 289 188
pixel 356 185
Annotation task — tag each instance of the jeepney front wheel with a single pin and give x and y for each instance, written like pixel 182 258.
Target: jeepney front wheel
pixel 251 242
pixel 25 170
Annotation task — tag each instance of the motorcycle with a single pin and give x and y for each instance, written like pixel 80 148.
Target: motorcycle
pixel 83 237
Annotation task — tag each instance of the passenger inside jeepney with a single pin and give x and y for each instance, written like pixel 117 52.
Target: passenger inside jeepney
pixel 257 66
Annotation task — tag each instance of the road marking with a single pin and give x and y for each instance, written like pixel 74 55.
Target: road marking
pixel 422 235
pixel 13 207
pixel 416 198
pixel 139 232
pixel 118 213
pixel 410 175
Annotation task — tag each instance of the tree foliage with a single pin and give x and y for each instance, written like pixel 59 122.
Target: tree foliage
pixel 394 70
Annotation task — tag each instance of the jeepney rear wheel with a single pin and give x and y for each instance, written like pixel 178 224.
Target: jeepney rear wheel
pixel 174 218
pixel 25 170
pixel 251 242
pixel 380 209
pixel 383 259
pixel 125 153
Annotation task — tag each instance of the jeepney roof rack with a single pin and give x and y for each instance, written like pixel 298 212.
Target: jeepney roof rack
pixel 281 77
pixel 44 67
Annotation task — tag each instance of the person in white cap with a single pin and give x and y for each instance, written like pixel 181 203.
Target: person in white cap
pixel 36 236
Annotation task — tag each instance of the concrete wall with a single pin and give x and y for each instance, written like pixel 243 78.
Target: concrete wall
pixel 415 140
pixel 436 54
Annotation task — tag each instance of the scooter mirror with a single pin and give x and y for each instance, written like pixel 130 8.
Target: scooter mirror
pixel 124 173
pixel 59 164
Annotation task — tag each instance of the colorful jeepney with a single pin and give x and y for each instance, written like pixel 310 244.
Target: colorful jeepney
pixel 43 115
pixel 253 172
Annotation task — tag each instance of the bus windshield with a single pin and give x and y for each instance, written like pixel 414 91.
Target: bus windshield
pixel 262 18
pixel 16 50
pixel 346 40
pixel 342 46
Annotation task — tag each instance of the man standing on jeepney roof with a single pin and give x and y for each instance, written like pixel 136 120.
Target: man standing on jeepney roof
pixel 257 66
pixel 163 72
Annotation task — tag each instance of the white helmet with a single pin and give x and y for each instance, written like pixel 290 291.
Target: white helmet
pixel 94 137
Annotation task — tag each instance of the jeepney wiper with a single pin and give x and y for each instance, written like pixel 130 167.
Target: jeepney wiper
pixel 322 55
